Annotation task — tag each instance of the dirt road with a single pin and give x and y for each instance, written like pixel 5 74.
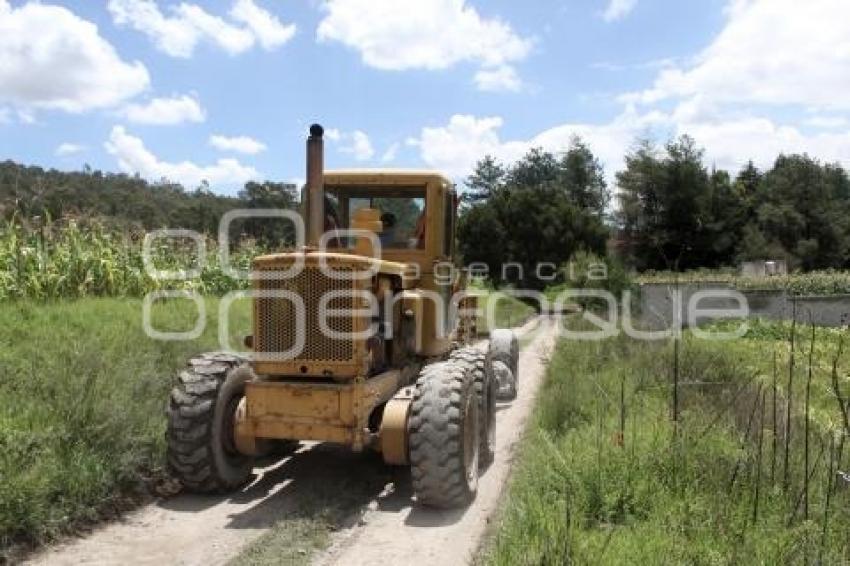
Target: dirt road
pixel 210 530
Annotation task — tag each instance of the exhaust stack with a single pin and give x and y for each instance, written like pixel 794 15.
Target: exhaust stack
pixel 315 216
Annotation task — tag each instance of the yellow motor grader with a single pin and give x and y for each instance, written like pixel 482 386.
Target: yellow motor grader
pixel 362 338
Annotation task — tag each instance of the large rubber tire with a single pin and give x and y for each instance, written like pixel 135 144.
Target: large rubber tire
pixel 201 453
pixel 486 389
pixel 443 435
pixel 504 347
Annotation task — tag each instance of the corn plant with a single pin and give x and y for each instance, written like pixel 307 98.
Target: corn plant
pixel 65 259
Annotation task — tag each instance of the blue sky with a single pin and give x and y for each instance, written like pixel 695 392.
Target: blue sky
pixel 224 90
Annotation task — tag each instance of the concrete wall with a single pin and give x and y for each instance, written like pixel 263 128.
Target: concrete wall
pixel 655 305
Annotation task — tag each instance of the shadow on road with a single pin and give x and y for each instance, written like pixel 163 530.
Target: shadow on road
pixel 320 481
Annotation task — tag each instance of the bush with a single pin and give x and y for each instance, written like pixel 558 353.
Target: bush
pixel 589 271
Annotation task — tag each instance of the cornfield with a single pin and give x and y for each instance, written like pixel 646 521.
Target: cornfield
pixel 68 259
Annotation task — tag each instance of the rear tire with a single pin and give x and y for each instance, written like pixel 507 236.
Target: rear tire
pixel 443 433
pixel 201 451
pixel 504 348
pixel 486 389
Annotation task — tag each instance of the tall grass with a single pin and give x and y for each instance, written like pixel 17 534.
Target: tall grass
pixel 593 487
pixel 69 259
pixel 83 393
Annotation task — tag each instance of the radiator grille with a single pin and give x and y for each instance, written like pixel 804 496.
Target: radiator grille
pixel 276 324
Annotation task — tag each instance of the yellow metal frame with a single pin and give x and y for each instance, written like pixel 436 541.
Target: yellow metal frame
pixel 315 411
pixel 289 403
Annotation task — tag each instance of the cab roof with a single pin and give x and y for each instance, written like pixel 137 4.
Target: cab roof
pixel 391 177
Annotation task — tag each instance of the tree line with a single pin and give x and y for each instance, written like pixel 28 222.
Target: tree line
pixel 134 205
pixel 667 210
pixel 670 211
pixel 676 213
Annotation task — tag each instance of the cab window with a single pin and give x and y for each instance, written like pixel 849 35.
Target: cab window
pixel 402 212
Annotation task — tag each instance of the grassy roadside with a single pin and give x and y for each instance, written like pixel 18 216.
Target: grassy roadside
pixel 603 480
pixel 83 393
pixel 509 311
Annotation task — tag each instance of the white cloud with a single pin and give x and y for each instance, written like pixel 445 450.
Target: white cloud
pixel 174 36
pixel 52 59
pixel 166 111
pixel 133 157
pixel 179 33
pixel 359 146
pixel 618 9
pixel 390 154
pixel 356 143
pixel 67 149
pixel 426 34
pixel 776 52
pixel 238 144
pixel 730 140
pixel 503 77
pixel 456 147
pixel 231 39
pixel 266 27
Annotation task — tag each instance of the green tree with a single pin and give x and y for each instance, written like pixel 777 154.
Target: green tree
pixel 270 233
pixel 726 219
pixel 542 211
pixel 673 213
pixel 537 168
pixel 803 206
pixel 485 179
pixel 584 178
pixel 641 211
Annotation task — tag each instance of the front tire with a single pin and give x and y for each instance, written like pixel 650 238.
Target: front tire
pixel 201 450
pixel 443 433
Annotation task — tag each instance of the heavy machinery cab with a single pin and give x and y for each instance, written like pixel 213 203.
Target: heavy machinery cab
pixel 417 211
